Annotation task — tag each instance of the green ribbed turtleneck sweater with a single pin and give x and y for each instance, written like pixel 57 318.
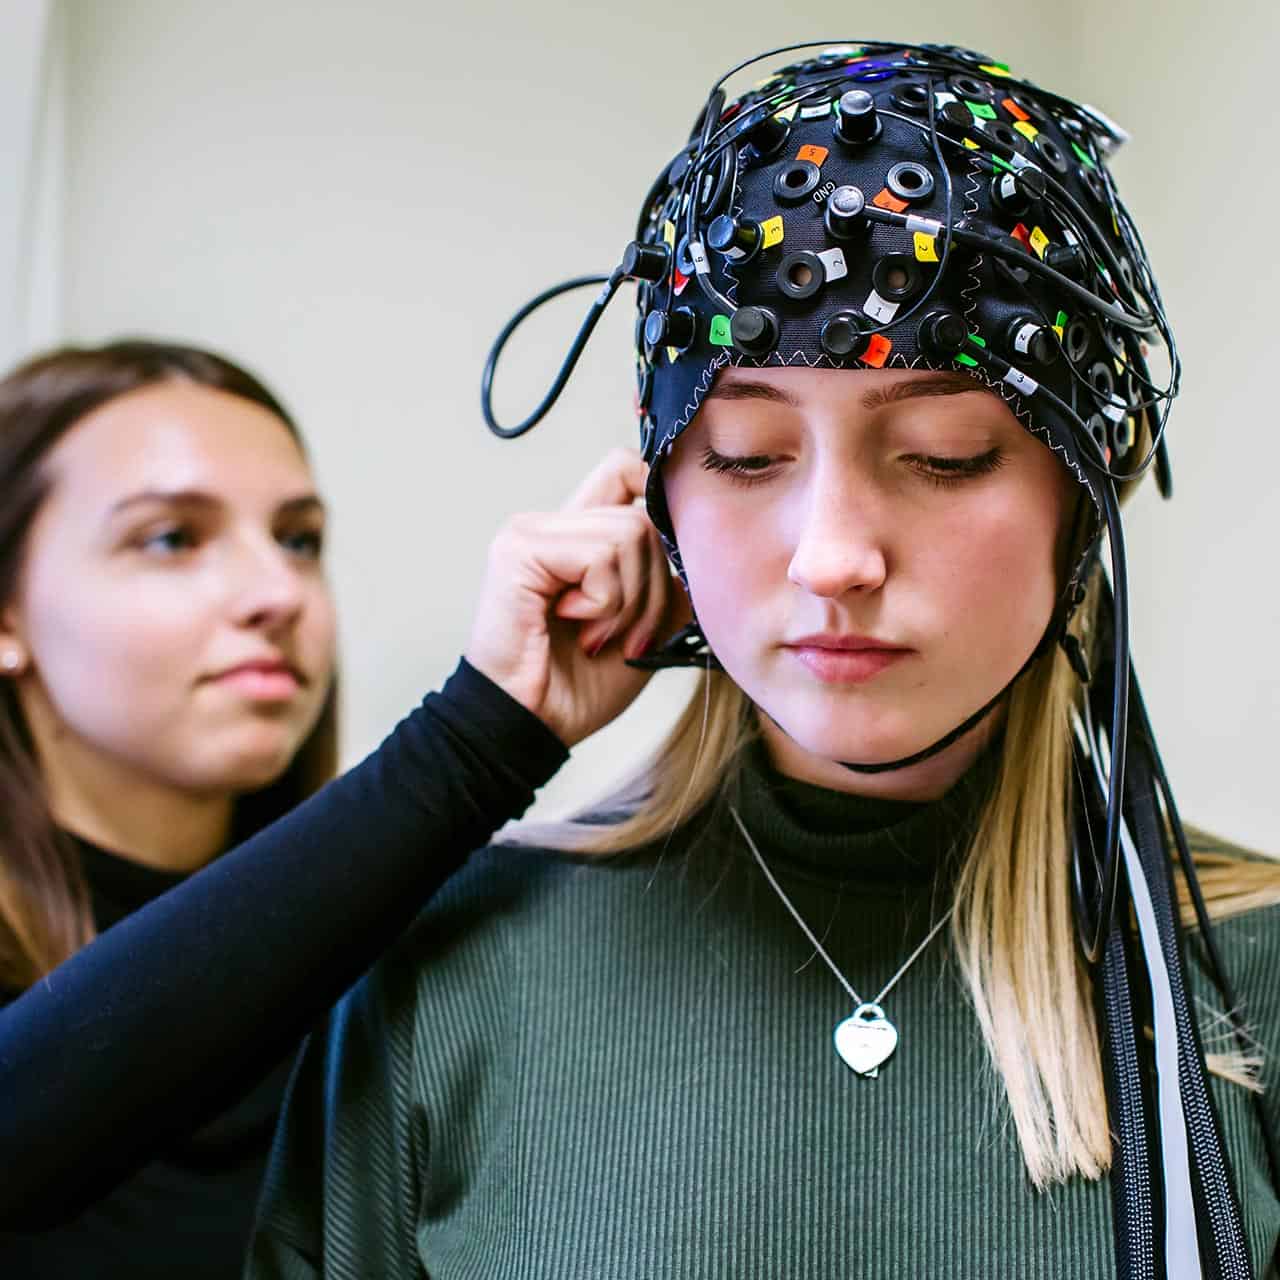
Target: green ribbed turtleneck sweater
pixel 624 1068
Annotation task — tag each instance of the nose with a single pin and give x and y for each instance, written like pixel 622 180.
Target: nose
pixel 838 546
pixel 269 591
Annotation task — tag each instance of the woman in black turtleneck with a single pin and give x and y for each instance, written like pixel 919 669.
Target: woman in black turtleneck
pixel 167 654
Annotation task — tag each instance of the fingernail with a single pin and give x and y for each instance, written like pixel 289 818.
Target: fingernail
pixel 635 648
pixel 592 649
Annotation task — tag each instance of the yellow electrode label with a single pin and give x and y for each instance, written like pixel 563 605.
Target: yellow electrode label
pixel 771 229
pixel 1027 129
pixel 926 247
pixel 1039 241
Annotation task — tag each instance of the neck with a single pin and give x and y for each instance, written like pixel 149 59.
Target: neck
pixel 928 780
pixel 111 805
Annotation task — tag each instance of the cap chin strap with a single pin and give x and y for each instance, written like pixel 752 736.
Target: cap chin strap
pixel 1046 641
pixel 944 742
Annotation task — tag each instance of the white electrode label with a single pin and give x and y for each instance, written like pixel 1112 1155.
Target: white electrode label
pixel 878 309
pixel 1021 382
pixel 1022 339
pixel 929 226
pixel 834 263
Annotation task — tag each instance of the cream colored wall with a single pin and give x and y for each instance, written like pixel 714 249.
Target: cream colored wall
pixel 352 199
pixel 32 166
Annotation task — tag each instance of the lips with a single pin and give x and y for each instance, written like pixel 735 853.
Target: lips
pixel 844 643
pixel 262 666
pixel 262 680
pixel 845 659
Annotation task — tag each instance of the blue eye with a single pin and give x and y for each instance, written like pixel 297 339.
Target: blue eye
pixel 306 542
pixel 169 539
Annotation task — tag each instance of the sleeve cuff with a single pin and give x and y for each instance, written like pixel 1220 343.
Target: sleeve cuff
pixel 514 733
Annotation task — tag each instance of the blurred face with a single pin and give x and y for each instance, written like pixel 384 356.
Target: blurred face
pixel 172 606
pixel 872 556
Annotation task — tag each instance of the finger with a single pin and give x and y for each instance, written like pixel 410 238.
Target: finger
pixel 618 481
pixel 551 554
pixel 631 568
pixel 576 606
pixel 660 585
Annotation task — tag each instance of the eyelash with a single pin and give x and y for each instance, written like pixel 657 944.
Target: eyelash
pixel 943 472
pixel 740 470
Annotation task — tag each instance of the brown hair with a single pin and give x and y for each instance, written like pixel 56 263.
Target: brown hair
pixel 44 905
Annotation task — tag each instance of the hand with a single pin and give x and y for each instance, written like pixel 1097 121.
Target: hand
pixel 569 595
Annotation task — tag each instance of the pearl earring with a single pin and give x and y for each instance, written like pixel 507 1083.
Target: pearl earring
pixel 12 660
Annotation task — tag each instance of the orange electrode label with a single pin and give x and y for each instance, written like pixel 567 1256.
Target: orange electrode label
pixel 887 200
pixel 877 352
pixel 814 155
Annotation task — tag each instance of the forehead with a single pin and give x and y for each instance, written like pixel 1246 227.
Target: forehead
pixel 868 389
pixel 177 435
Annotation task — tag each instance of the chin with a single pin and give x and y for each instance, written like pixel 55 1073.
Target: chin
pixel 844 734
pixel 255 775
pixel 250 766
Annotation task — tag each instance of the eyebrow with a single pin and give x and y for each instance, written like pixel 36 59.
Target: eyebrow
pixel 873 398
pixel 198 498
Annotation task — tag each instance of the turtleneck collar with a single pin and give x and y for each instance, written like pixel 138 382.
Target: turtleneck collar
pixel 835 835
pixel 117 884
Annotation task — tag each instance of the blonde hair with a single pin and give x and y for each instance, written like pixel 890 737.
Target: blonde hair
pixel 1013 931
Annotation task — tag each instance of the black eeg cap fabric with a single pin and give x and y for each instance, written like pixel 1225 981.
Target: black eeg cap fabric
pixel 771 164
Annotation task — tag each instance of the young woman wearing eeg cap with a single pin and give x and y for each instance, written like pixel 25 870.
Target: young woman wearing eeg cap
pixel 895 380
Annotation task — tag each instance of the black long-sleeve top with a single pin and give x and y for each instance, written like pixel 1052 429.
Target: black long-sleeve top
pixel 163 1045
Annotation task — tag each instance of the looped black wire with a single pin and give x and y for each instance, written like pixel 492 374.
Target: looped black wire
pixel 592 318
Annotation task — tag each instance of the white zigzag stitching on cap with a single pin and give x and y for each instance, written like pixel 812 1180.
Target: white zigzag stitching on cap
pixel 730 292
pixel 969 294
pixel 704 385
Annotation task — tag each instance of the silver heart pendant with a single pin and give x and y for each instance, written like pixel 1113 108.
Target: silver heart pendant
pixel 866 1039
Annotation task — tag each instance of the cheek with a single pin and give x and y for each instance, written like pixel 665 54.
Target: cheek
pixel 318 626
pixel 994 570
pixel 318 641
pixel 727 562
pixel 99 641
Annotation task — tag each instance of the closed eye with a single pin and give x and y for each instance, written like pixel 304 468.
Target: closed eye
pixel 745 468
pixel 946 471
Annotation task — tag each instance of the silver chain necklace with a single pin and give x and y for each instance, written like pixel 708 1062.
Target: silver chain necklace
pixel 866 1039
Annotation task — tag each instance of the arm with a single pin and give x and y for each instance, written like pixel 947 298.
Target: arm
pixel 113 1053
